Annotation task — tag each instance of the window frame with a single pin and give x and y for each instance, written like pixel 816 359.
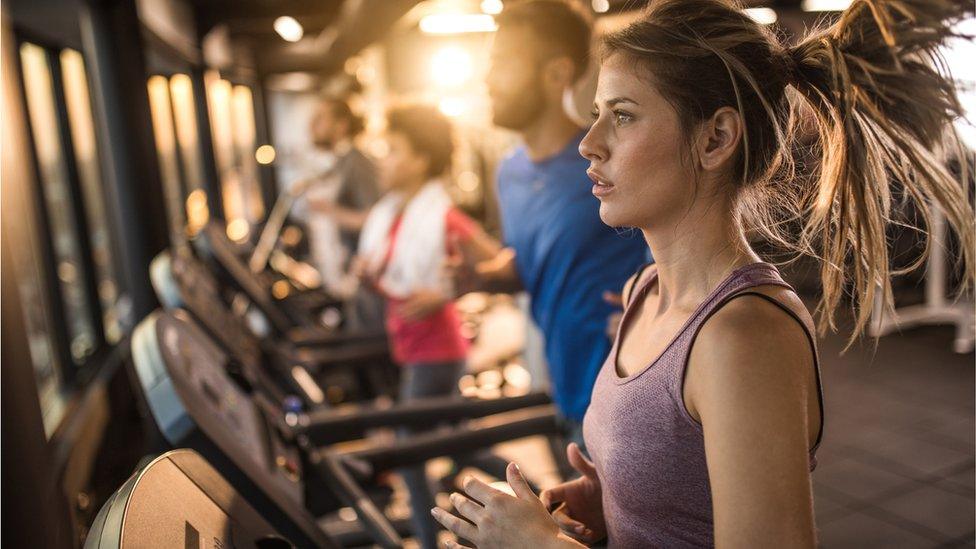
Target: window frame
pixel 75 375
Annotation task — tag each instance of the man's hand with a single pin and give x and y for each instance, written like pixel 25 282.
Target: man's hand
pixel 613 321
pixel 501 266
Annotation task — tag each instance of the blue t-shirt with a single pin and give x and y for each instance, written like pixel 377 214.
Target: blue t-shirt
pixel 566 257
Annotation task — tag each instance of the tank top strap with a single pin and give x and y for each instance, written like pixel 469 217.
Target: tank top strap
pixel 641 286
pixel 740 283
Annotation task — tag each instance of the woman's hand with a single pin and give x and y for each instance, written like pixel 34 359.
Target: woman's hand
pixel 422 304
pixel 358 267
pixel 492 518
pixel 577 505
pixel 321 205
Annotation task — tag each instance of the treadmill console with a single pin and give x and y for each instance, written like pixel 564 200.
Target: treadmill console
pixel 196 404
pixel 180 501
pixel 201 296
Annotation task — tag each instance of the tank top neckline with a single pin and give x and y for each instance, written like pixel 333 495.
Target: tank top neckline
pixel 641 294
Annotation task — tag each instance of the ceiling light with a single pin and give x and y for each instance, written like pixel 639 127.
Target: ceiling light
pixel 763 16
pixel 825 5
pixel 455 23
pixel 451 66
pixel 288 28
pixel 492 7
pixel 453 106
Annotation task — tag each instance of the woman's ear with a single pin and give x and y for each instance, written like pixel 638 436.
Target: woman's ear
pixel 719 139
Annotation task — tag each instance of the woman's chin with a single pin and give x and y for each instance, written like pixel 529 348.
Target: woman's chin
pixel 612 217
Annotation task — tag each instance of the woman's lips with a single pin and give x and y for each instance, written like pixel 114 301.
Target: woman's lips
pixel 601 187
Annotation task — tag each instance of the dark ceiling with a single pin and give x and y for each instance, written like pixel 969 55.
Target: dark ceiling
pixel 352 25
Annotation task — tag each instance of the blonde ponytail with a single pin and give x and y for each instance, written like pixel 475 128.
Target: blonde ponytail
pixel 881 105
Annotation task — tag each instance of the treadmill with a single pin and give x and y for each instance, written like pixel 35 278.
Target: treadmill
pixel 292 318
pixel 180 501
pixel 183 281
pixel 275 458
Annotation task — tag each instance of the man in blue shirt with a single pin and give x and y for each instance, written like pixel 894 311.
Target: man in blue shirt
pixel 558 249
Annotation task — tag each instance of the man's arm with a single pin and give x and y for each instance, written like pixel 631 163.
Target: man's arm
pixel 499 274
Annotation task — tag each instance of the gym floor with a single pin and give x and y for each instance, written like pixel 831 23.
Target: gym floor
pixel 896 464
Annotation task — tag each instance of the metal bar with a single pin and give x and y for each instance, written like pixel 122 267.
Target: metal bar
pixel 211 178
pixel 331 425
pixel 423 447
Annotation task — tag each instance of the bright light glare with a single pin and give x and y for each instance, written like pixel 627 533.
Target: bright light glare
pixel 763 16
pixel 825 5
pixel 959 53
pixel 237 230
pixel 197 212
pixel 601 6
pixel 288 28
pixel 468 182
pixel 453 106
pixel 492 7
pixel 265 154
pixel 451 66
pixel 455 23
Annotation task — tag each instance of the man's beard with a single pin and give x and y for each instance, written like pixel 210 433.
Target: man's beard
pixel 324 143
pixel 522 107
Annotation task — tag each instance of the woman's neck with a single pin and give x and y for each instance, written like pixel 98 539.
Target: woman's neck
pixel 411 189
pixel 697 254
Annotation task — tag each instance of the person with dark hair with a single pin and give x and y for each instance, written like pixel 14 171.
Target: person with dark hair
pixel 405 242
pixel 557 249
pixel 707 414
pixel 337 201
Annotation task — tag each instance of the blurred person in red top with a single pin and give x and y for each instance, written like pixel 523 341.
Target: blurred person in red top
pixel 408 237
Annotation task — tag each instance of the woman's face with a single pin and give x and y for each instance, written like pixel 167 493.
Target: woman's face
pixel 402 167
pixel 638 152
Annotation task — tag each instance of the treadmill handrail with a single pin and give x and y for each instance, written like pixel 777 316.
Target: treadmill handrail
pixel 459 440
pixel 256 291
pixel 330 468
pixel 334 425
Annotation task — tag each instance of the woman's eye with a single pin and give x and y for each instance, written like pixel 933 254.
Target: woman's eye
pixel 622 117
pixel 594 114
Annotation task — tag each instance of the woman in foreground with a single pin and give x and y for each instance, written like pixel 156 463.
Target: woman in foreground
pixel 706 417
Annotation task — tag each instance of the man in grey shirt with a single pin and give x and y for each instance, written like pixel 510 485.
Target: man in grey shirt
pixel 338 201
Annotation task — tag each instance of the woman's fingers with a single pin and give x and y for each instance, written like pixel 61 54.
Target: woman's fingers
pixel 481 492
pixel 519 484
pixel 575 529
pixel 467 508
pixel 460 527
pixel 552 496
pixel 579 461
pixel 566 522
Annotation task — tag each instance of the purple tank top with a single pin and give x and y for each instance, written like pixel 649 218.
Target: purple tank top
pixel 648 451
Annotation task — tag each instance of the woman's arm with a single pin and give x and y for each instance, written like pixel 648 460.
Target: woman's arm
pixel 349 219
pixel 749 380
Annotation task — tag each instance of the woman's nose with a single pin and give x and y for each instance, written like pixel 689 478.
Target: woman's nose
pixel 593 147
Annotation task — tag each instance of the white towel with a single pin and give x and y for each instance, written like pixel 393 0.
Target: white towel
pixel 420 247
